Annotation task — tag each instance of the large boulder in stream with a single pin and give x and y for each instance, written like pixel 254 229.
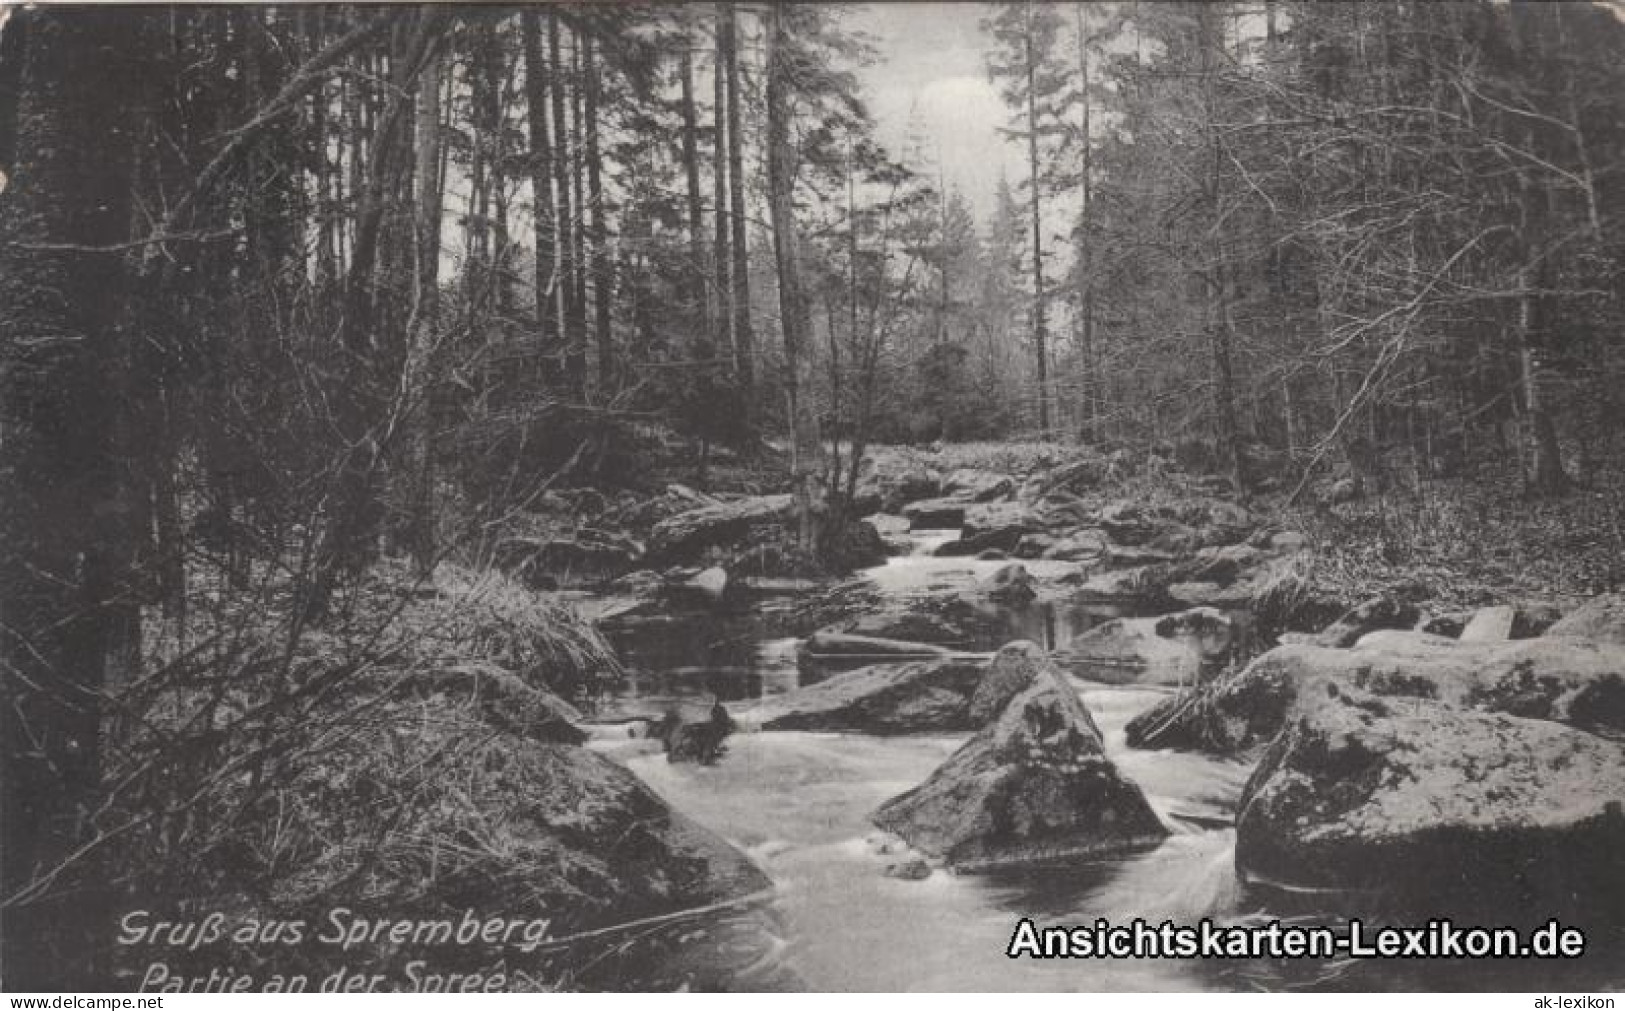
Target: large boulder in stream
pixel 894 698
pixel 1441 807
pixel 1001 524
pixel 684 538
pixel 1574 681
pixel 936 513
pixel 1034 786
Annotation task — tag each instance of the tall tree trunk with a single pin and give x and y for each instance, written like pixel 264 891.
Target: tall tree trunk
pixel 602 278
pixel 543 200
pixel 702 296
pixel 794 312
pixel 575 364
pixel 1040 337
pixel 327 253
pixel 418 477
pixel 578 200
pixel 497 71
pixel 722 261
pixel 71 623
pixel 743 340
pixel 1086 281
pixel 1210 41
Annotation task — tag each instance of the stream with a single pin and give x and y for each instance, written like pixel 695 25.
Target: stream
pixel 799 804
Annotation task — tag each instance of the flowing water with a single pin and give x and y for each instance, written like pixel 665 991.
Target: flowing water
pixel 799 804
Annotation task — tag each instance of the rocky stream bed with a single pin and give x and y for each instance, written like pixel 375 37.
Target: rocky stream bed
pixel 1060 706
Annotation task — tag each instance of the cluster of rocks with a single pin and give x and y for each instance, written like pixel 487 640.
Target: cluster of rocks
pixel 1471 756
pixel 1193 548
pixel 1442 755
pixel 1481 769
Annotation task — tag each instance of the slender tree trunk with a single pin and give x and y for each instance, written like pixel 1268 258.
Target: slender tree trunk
pixel 1040 337
pixel 793 309
pixel 564 217
pixel 702 296
pixel 744 341
pixel 71 624
pixel 499 73
pixel 418 526
pixel 1214 274
pixel 578 220
pixel 327 253
pixel 722 261
pixel 543 201
pixel 602 279
pixel 1086 280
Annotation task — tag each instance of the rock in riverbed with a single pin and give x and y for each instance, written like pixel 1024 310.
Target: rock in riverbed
pixel 978 485
pixel 1435 805
pixel 936 513
pixel 943 694
pixel 1575 681
pixel 683 538
pixel 1034 786
pixel 888 698
pixel 1009 584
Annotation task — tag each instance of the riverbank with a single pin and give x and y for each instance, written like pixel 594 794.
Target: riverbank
pixel 483 740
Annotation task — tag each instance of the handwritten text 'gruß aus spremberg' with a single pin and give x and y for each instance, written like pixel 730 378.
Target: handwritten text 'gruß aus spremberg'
pixel 341 928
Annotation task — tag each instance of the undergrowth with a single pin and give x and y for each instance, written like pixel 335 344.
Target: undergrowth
pixel 391 759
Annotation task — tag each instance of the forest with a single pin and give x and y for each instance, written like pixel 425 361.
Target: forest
pixel 382 387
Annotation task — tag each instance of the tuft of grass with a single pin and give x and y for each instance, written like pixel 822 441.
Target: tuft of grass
pixel 489 616
pixel 399 758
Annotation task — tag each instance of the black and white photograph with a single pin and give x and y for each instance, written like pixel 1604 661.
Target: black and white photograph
pixel 738 496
